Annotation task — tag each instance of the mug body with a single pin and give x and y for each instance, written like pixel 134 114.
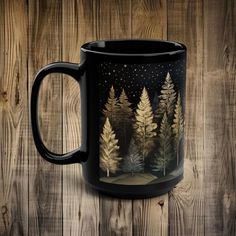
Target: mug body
pixel 133 116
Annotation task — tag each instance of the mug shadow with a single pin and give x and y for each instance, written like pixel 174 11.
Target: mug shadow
pixel 74 183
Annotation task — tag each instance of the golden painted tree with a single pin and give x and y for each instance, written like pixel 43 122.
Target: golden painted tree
pixel 111 107
pixel 164 155
pixel 124 119
pixel 178 126
pixel 109 150
pixel 167 99
pixel 124 104
pixel 144 127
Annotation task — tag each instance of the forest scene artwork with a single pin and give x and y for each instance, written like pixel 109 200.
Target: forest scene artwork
pixel 142 122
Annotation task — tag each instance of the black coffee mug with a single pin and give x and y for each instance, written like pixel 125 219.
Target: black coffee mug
pixel 132 115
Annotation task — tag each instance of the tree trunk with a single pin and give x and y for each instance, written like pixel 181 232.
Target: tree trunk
pixel 177 153
pixel 143 152
pixel 108 173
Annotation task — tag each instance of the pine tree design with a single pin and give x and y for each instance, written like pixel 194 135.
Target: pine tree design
pixel 178 126
pixel 144 127
pixel 111 107
pixel 167 99
pixel 109 150
pixel 133 160
pixel 124 104
pixel 164 155
pixel 124 119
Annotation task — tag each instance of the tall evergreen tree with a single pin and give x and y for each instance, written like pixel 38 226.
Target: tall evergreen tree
pixel 178 126
pixel 111 107
pixel 124 120
pixel 167 99
pixel 164 155
pixel 109 150
pixel 144 127
pixel 124 104
pixel 133 160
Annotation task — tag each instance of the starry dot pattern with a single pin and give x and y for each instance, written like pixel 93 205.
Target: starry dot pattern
pixel 133 77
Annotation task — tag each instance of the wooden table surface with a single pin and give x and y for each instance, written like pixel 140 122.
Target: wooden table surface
pixel 39 198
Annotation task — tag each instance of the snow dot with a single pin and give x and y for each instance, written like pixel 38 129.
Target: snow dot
pixel 125 65
pixel 109 73
pixel 114 70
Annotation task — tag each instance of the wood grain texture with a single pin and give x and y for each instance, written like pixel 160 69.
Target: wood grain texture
pixel 45 187
pixel 115 214
pixel 150 216
pixel 13 119
pixel 113 19
pixel 186 205
pixel 80 203
pixel 149 20
pixel 220 108
pixel 120 19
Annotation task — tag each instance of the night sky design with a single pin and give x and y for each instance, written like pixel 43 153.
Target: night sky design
pixel 133 77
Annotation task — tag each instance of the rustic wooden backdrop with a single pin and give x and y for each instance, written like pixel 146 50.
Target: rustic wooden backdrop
pixel 39 198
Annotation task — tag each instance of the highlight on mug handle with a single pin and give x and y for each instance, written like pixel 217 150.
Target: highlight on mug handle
pixel 71 69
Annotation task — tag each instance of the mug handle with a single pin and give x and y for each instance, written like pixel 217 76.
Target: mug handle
pixel 74 70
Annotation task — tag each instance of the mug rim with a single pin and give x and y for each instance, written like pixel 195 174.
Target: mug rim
pixel 179 47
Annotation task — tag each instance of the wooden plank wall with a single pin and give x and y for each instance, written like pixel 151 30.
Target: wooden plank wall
pixel 45 185
pixel 39 198
pixel 186 202
pixel 14 125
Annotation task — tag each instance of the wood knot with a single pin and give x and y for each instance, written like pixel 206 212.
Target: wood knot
pixel 4 210
pixel 161 203
pixel 5 217
pixel 3 96
pixel 227 52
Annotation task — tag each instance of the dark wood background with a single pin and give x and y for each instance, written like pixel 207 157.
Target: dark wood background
pixel 39 198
